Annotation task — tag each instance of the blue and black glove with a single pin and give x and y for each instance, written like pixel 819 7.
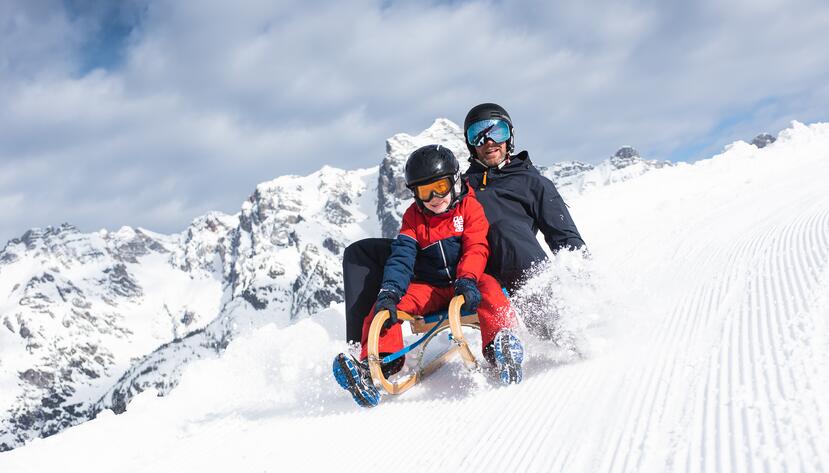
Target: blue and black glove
pixel 387 300
pixel 468 288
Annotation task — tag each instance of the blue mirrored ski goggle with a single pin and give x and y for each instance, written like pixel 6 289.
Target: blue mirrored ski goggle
pixel 495 130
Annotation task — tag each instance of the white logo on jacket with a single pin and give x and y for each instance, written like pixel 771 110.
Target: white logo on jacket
pixel 458 222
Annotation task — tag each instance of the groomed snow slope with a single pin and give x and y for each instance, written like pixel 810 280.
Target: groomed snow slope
pixel 704 328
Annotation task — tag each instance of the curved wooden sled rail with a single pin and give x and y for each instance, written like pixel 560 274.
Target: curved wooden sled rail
pixel 460 346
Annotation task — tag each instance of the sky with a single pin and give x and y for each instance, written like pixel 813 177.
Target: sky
pixel 151 113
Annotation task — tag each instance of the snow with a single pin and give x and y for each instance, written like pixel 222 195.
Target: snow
pixel 701 321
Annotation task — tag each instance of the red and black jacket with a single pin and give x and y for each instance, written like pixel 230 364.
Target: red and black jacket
pixel 438 249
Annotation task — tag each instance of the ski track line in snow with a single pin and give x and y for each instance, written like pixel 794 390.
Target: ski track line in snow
pixel 735 442
pixel 672 338
pixel 787 303
pixel 725 438
pixel 800 282
pixel 757 365
pixel 646 402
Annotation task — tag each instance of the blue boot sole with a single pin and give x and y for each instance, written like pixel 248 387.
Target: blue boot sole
pixel 348 377
pixel 509 354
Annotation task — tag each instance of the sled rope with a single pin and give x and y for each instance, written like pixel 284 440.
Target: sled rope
pixel 398 354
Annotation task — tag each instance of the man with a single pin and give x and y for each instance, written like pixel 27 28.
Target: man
pixel 517 200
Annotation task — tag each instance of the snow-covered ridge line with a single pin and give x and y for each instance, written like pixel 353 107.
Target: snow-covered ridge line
pixel 87 321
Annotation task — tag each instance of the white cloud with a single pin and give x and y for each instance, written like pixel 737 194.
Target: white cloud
pixel 219 96
pixel 11 205
pixel 37 40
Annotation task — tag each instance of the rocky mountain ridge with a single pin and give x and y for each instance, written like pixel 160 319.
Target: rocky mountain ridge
pixel 77 310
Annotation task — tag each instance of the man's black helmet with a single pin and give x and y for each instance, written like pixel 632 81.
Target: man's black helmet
pixel 430 163
pixel 487 111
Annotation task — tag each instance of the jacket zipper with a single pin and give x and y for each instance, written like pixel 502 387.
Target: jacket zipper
pixel 445 264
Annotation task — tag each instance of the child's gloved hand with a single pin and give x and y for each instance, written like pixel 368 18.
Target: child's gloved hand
pixel 468 288
pixel 387 300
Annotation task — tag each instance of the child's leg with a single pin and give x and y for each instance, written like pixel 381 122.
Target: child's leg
pixel 419 299
pixel 391 340
pixel 422 298
pixel 494 311
pixel 500 345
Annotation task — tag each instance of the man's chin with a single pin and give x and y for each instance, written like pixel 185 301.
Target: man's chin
pixel 493 160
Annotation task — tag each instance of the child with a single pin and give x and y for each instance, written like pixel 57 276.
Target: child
pixel 441 252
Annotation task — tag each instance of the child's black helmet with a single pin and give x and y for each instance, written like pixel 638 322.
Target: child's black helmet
pixel 431 163
pixel 488 111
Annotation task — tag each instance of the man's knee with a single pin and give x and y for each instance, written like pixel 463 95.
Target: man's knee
pixel 367 252
pixel 351 252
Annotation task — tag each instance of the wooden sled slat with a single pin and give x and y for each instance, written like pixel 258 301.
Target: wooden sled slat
pixel 460 346
pixel 419 325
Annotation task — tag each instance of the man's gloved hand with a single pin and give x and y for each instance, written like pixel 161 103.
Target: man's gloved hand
pixel 387 300
pixel 468 288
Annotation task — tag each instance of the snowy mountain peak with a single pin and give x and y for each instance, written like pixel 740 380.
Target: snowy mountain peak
pixel 75 310
pixel 392 195
pixel 626 152
pixel 442 132
pixel 289 237
pixel 575 177
pixel 205 245
pixel 35 235
pixel 763 139
pixel 624 157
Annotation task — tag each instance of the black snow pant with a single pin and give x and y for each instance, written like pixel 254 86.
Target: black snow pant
pixel 363 263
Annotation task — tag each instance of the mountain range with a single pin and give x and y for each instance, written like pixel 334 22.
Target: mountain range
pixel 90 320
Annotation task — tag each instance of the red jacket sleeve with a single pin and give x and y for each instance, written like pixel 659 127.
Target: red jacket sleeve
pixel 474 249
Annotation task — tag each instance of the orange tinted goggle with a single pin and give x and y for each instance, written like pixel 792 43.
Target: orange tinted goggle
pixel 439 188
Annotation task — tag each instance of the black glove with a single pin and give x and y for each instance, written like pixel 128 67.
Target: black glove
pixel 387 300
pixel 468 288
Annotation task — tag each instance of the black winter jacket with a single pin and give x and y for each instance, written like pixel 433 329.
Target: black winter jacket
pixel 518 202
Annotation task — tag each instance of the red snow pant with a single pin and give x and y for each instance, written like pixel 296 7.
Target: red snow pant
pixel 494 312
